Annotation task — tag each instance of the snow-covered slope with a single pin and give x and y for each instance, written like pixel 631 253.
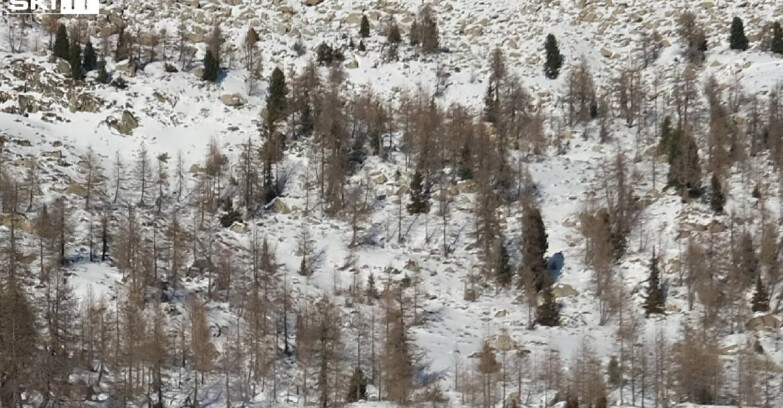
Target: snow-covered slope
pixel 177 113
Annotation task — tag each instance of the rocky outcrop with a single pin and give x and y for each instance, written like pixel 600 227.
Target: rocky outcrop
pixel 124 66
pixel 278 206
pixel 84 102
pixel 126 124
pixel 233 100
pixel 766 322
pixel 116 22
pixel 238 227
pixel 467 186
pixel 505 343
pixel 52 154
pixel 29 103
pixel 76 189
pixel 564 291
pixel 379 178
pixel 18 221
pixel 63 67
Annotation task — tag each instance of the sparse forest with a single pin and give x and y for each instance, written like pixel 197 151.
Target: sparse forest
pixel 226 213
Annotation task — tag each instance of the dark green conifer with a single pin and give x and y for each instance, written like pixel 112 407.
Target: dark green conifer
pixel 534 246
pixel 61 43
pixel 394 36
pixel 276 102
pixel 760 301
pixel 364 29
pixel 211 67
pixel 103 75
pixel 737 39
pixel 90 60
pixel 419 203
pixel 77 72
pixel 503 268
pixel 614 373
pixel 357 387
pixel 490 105
pixel 547 313
pixel 718 199
pixel 684 167
pixel 777 39
pixel 654 303
pixel 553 58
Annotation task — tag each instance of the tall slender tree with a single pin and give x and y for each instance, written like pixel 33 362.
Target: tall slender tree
pixel 534 246
pixel 776 46
pixel 61 43
pixel 419 201
pixel 276 100
pixel 654 303
pixel 75 59
pixel 547 313
pixel 90 61
pixel 364 27
pixel 760 302
pixel 717 199
pixel 211 67
pixel 503 268
pixel 737 38
pixel 553 58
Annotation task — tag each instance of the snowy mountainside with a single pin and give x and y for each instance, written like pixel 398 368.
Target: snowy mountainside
pixel 47 117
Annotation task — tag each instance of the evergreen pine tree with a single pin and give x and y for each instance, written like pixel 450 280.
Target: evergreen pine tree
pixel 371 291
pixel 777 39
pixel 362 47
pixel 503 267
pixel 427 30
pixel 364 29
pixel 211 67
pixel 465 168
pixel 61 49
pixel 571 401
pixel 553 59
pixel 324 54
pixel 665 144
pixel 718 199
pixel 303 269
pixel 103 75
pixel 419 203
pixel 614 374
pixel 760 300
pixel 414 34
pixel 90 60
pixel 394 36
pixel 547 313
pixel 684 167
pixel 534 246
pixel 357 386
pixel 76 61
pixel 490 105
pixel 276 103
pixel 737 39
pixel 654 302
